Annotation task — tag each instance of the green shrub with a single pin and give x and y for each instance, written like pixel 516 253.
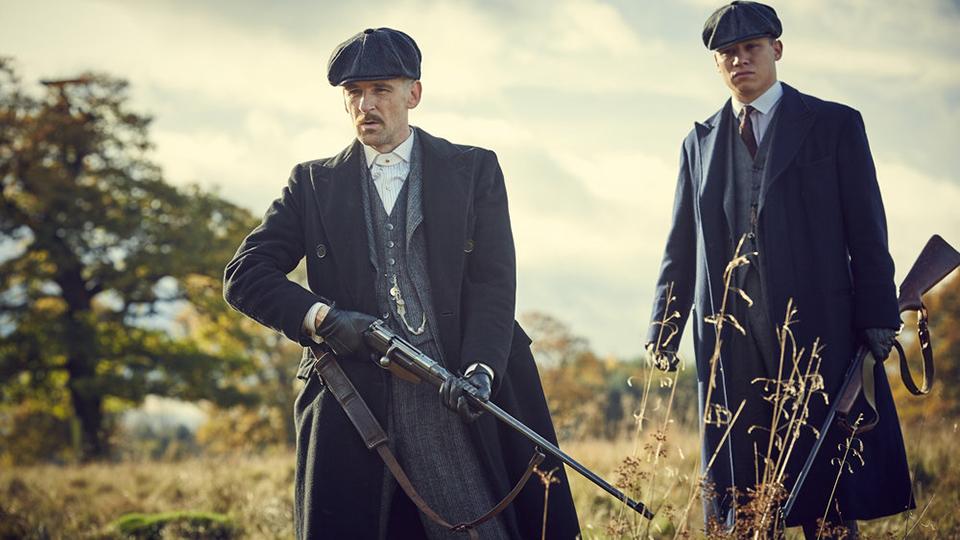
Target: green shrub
pixel 199 525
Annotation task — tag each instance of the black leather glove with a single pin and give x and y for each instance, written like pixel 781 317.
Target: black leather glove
pixel 343 331
pixel 664 359
pixel 453 393
pixel 879 341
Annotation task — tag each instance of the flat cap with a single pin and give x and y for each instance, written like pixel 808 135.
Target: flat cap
pixel 375 53
pixel 739 21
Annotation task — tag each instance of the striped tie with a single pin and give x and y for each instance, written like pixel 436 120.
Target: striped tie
pixel 746 131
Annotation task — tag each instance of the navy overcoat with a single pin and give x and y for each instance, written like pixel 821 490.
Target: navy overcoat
pixel 470 260
pixel 822 234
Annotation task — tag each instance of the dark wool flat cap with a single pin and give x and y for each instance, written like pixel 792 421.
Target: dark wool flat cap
pixel 740 21
pixel 380 53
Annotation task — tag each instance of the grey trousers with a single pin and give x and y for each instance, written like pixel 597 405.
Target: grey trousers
pixel 433 446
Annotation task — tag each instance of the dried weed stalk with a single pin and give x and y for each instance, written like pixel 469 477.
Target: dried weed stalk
pixel 789 393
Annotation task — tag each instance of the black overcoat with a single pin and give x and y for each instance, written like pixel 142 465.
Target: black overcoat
pixel 823 238
pixel 471 264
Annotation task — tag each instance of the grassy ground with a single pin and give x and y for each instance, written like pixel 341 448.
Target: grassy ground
pixel 81 501
pixel 256 492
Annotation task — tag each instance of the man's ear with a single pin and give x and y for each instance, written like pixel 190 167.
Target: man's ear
pixel 413 97
pixel 777 49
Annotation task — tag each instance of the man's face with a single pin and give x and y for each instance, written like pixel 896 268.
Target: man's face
pixel 379 110
pixel 749 67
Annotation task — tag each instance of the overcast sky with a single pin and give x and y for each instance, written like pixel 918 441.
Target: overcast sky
pixel 585 102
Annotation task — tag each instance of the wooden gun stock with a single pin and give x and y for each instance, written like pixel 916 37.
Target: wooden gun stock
pixel 935 262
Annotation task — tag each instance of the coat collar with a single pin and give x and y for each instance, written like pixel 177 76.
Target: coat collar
pixel 796 116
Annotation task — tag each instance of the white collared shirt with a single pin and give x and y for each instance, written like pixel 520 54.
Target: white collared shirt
pixel 765 105
pixel 390 170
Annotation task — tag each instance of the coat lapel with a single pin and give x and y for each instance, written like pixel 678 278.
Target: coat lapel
pixel 446 182
pixel 337 188
pixel 712 139
pixel 796 118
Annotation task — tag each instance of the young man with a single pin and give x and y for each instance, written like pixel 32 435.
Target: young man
pixel 793 176
pixel 412 229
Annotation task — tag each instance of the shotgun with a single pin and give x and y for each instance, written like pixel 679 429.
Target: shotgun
pixel 935 262
pixel 409 363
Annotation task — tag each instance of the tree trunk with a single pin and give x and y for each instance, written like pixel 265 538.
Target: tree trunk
pixel 88 408
pixel 86 395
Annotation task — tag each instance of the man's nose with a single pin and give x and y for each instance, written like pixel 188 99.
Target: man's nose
pixel 367 102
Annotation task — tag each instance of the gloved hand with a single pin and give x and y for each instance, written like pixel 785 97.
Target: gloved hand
pixel 879 341
pixel 664 359
pixel 343 331
pixel 453 394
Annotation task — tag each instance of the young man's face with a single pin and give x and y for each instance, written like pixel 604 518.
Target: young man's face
pixel 379 110
pixel 749 67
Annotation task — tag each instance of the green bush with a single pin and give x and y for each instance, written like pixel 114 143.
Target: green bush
pixel 199 525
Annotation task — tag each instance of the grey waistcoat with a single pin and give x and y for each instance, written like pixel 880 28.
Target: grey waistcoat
pixel 398 249
pixel 745 178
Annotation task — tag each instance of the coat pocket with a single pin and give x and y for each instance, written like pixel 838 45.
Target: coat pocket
pixel 816 162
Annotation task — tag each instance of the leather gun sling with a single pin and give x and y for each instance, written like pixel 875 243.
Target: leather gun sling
pixel 375 438
pixel 868 373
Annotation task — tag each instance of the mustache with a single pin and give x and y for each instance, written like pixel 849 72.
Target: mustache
pixel 369 118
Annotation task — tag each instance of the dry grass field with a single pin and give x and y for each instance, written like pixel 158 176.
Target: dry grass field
pixel 256 492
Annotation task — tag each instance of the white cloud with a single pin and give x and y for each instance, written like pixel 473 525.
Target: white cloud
pixel 917 207
pixel 583 101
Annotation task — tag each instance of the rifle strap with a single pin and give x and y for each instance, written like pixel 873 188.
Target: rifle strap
pixel 868 378
pixel 375 438
pixel 923 334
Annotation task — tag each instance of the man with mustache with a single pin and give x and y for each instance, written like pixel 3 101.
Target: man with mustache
pixel 792 175
pixel 414 230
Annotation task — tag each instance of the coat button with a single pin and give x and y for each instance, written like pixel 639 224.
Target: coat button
pixel 321 251
pixel 468 246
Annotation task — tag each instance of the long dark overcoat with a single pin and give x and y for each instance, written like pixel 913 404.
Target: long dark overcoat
pixel 470 260
pixel 822 235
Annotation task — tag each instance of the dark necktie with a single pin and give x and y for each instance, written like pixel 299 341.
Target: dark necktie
pixel 746 131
